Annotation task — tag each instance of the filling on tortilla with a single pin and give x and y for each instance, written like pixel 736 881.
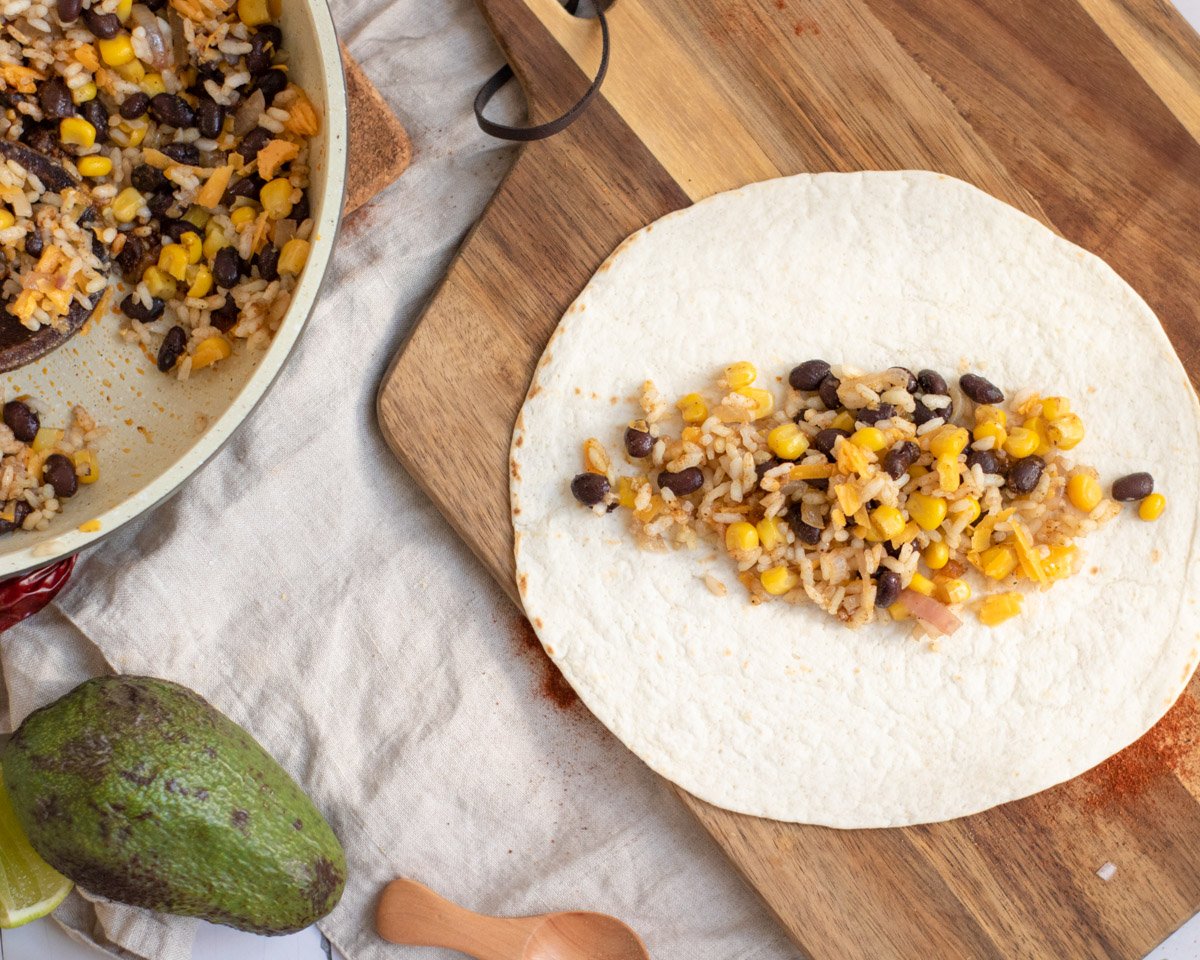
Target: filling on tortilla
pixel 885 493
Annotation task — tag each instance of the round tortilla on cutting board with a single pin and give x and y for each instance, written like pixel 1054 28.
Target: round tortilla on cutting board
pixel 778 710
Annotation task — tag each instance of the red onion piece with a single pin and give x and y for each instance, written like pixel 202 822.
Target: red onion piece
pixel 160 55
pixel 246 118
pixel 936 616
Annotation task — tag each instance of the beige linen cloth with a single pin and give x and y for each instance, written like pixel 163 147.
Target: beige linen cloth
pixel 305 586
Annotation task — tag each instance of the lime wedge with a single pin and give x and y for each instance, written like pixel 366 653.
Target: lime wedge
pixel 29 887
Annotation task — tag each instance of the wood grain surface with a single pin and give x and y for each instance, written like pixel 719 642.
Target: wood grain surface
pixel 1084 113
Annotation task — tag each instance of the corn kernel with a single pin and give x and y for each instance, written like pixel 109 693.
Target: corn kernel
pixel 764 400
pixel 843 421
pixel 159 283
pixel 1038 426
pixel 917 470
pixel 86 467
pixel 94 166
pixel 936 555
pixel 209 351
pixel 927 511
pixel 126 204
pixel 152 84
pixel 83 93
pixel 778 580
pixel 214 240
pixel 6 218
pixel 787 441
pixel 1083 490
pixel 740 374
pixel 953 591
pixel 1152 507
pixel 202 282
pixel 118 51
pixel 999 607
pixel 770 532
pixel 1021 442
pixel 124 8
pixel 988 414
pixel 1060 563
pixel 921 584
pixel 253 13
pixel 1066 432
pixel 192 245
pixel 1055 407
pixel 998 562
pixel 626 495
pixel 135 132
pixel 949 478
pixel 276 198
pixel 693 408
pixel 898 611
pixel 77 132
pixel 133 71
pixel 888 521
pixel 869 438
pixel 740 537
pixel 948 441
pixel 991 428
pixel 241 216
pixel 968 506
pixel 46 439
pixel 173 259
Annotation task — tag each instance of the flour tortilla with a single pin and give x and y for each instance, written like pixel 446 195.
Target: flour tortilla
pixel 777 710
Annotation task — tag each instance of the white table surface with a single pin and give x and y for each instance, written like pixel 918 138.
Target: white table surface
pixel 44 940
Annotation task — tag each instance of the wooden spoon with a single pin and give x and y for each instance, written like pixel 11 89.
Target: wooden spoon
pixel 412 914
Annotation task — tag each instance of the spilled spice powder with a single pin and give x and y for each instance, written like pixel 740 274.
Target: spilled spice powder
pixel 553 685
pixel 1171 747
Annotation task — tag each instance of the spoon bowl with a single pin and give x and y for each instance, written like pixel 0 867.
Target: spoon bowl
pixel 572 936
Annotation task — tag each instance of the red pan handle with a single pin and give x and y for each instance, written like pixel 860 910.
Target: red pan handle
pixel 24 595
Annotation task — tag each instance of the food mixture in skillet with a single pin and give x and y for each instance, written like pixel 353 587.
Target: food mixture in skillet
pixel 865 492
pixel 163 142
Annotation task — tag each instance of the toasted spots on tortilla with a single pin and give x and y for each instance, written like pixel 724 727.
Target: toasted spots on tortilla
pixel 515 468
pixel 522 582
pixel 537 622
pixel 1155 555
pixel 520 440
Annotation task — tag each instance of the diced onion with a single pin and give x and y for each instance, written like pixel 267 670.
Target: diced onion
pixel 934 615
pixel 246 118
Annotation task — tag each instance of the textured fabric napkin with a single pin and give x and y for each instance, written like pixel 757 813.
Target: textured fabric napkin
pixel 304 585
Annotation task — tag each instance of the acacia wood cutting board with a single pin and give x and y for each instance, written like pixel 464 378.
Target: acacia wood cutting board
pixel 1084 113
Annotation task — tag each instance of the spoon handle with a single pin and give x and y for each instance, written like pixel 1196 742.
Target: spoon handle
pixel 412 914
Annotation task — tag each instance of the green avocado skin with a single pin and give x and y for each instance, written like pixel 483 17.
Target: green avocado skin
pixel 140 791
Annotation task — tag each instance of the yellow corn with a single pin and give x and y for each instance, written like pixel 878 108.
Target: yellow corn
pixel 843 421
pixel 764 400
pixel 152 84
pixel 1021 442
pixel 927 511
pixel 1083 490
pixel 990 428
pixel 1066 432
pixel 6 218
pixel 740 374
pixel 968 506
pixel 948 473
pixel 242 216
pixel 126 204
pixel 118 51
pixel 159 283
pixel 173 259
pixel 83 93
pixel 692 407
pixel 46 439
pixel 787 441
pixel 898 611
pixel 1029 557
pixel 998 562
pixel 626 494
pixel 253 13
pixel 214 240
pixel 948 441
pixel 1055 407
pixel 778 580
pixel 917 470
pixel 276 198
pixel 988 414
pixel 77 132
pixel 869 438
pixel 888 521
pixel 201 283
pixel 740 537
pixel 770 532
pixel 999 607
pixel 133 71
pixel 94 166
pixel 1038 426
pixel 1152 507
pixel 209 351
pixel 953 591
pixel 192 245
pixel 921 584
pixel 86 467
pixel 293 256
pixel 198 217
pixel 1060 563
pixel 936 555
pixel 124 8
pixel 134 131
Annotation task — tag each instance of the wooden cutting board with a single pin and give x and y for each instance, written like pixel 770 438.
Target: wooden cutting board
pixel 1086 114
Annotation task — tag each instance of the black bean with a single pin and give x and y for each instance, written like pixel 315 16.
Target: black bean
pixel 21 420
pixel 1133 486
pixel 210 117
pixel 131 255
pixel 902 456
pixel 103 25
pixel 20 510
pixel 247 187
pixel 1024 474
pixel 225 267
pixel 825 440
pixel 887 588
pixel 271 84
pixel 94 113
pixel 808 375
pixel 225 317
pixel 185 153
pixel 175 229
pixel 805 532
pixel 273 34
pixel 268 269
pixel 930 381
pixel 262 50
pixel 173 345
pixel 911 384
pixel 987 460
pixel 173 110
pixel 135 105
pixel 828 391
pixel 252 142
pixel 45 141
pixel 59 472
pixel 590 488
pixel 34 244
pixel 149 179
pixel 55 99
pixel 885 411
pixel 767 466
pixel 301 211
pixel 638 443
pixel 160 204
pixel 133 308
pixel 923 414
pixel 683 482
pixel 69 10
pixel 979 389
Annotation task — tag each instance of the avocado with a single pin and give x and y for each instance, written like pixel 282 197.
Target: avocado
pixel 140 791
